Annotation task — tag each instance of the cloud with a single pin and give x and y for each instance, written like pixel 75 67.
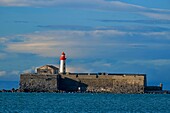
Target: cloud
pixel 89 65
pixel 7 73
pixel 94 5
pixel 93 42
pixel 155 21
pixel 75 69
pixel 87 4
pixel 29 70
pixel 11 75
pixel 158 35
pixel 124 28
pixel 67 27
pixel 3 39
pixel 157 62
pixel 157 15
pixel 52 42
pixel 21 21
pixel 14 72
pixel 2 73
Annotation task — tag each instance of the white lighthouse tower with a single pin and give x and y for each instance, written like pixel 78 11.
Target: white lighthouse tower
pixel 63 63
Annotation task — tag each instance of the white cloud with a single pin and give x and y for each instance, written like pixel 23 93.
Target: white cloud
pixel 81 43
pixel 9 73
pixel 89 65
pixel 91 4
pixel 51 43
pixel 14 72
pixel 157 15
pixel 2 73
pixel 30 70
pixel 157 33
pixel 3 39
pixel 76 69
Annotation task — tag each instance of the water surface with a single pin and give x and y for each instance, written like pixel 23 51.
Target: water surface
pixel 84 103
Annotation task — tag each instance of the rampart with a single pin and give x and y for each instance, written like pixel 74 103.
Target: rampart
pixel 84 82
pixel 38 83
pixel 115 83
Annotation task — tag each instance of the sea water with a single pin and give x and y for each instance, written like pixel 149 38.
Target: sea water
pixel 83 103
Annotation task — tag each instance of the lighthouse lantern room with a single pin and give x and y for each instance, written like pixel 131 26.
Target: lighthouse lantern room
pixel 62 63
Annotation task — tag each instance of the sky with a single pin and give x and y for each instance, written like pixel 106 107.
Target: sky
pixel 113 36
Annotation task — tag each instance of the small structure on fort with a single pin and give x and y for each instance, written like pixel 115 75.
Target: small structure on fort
pixel 49 78
pixel 47 69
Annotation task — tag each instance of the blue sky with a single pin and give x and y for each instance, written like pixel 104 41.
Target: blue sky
pixel 118 36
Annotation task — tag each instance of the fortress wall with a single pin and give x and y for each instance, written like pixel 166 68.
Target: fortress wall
pixel 38 83
pixel 104 83
pixel 119 83
pixel 85 82
pixel 128 84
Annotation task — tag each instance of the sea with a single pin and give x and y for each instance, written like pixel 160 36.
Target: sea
pixel 83 103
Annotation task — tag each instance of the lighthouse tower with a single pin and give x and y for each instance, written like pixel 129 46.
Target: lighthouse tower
pixel 63 63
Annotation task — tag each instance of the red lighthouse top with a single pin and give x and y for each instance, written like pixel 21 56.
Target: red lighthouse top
pixel 63 57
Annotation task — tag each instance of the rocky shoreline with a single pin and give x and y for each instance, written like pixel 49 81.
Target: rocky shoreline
pixel 13 90
pixel 10 90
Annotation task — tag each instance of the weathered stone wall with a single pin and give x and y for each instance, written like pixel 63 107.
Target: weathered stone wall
pixel 129 83
pixel 114 83
pixel 103 83
pixel 38 83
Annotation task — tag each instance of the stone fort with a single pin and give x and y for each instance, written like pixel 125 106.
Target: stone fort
pixel 49 78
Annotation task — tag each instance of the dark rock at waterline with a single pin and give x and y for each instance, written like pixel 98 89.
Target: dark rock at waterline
pixel 11 90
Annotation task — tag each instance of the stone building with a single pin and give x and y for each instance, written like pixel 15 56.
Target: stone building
pixel 83 82
pixel 47 69
pixel 49 79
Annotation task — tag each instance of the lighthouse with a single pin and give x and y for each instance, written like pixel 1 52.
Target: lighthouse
pixel 63 63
